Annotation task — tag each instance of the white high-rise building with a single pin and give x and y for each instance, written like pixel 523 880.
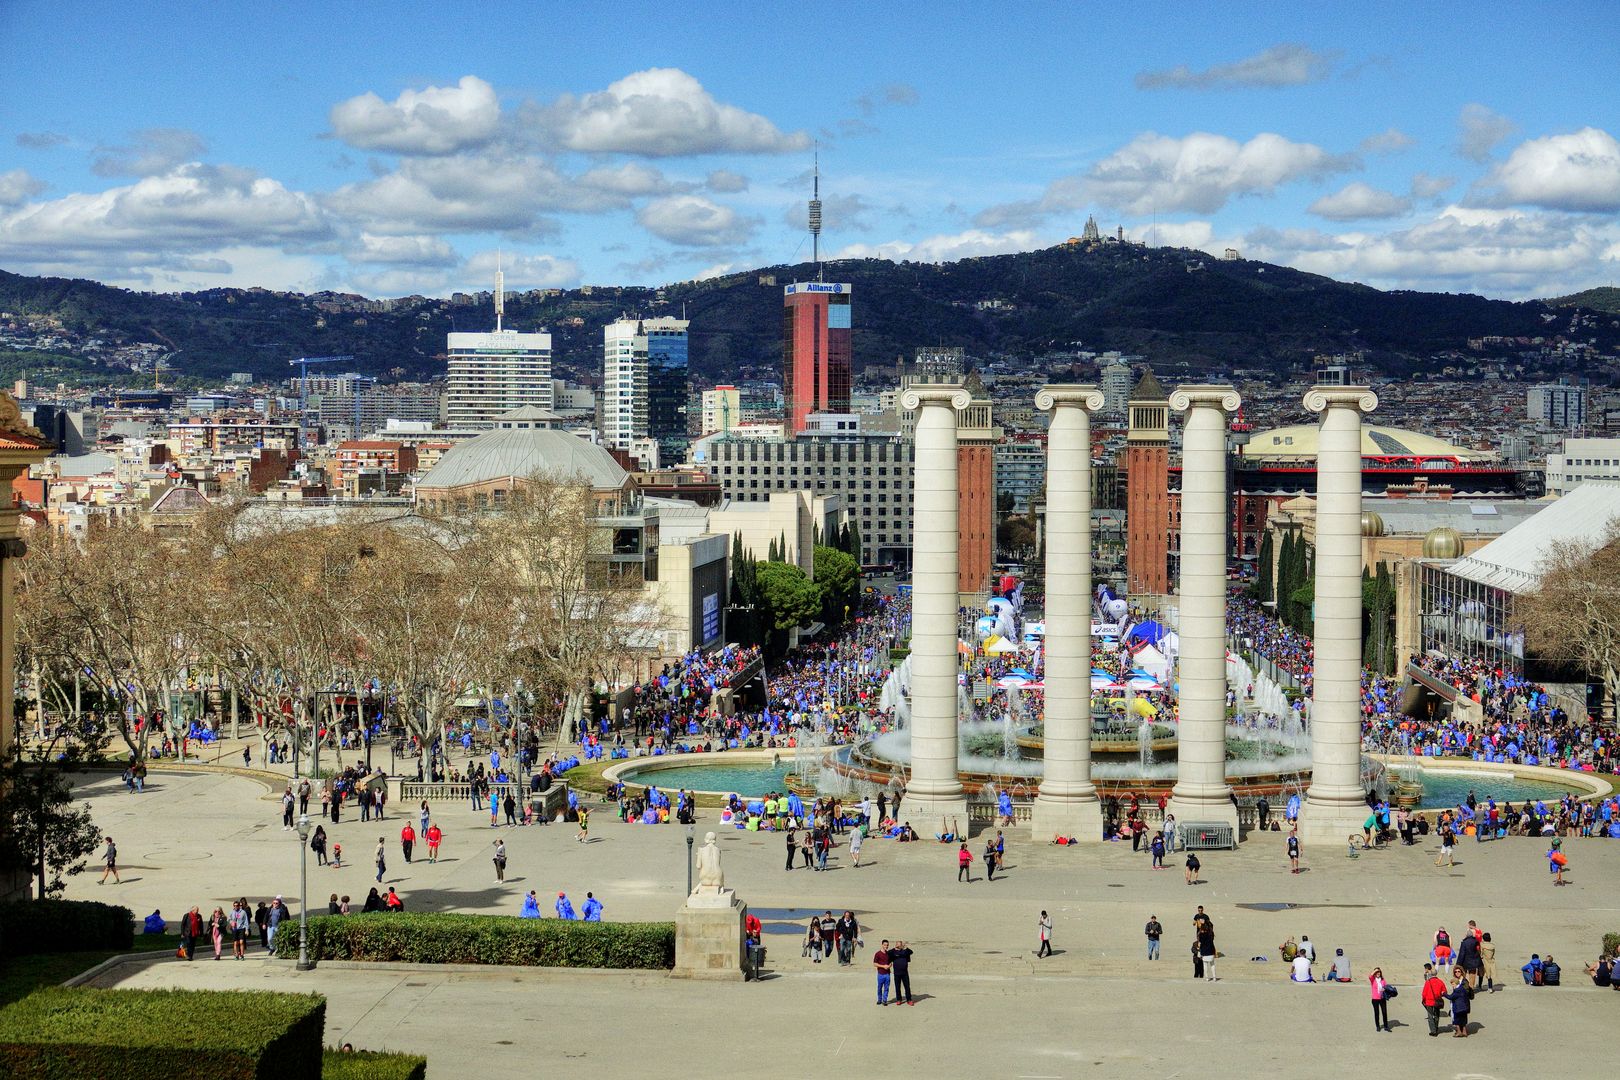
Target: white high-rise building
pixel 493 373
pixel 644 383
pixel 1557 406
pixel 1115 383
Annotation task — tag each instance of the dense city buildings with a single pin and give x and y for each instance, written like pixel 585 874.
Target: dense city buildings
pixel 721 409
pixel 817 350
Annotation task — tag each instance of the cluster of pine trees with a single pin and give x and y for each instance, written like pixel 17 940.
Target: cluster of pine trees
pixel 771 596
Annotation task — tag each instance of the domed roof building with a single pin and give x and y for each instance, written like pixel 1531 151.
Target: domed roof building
pixel 524 444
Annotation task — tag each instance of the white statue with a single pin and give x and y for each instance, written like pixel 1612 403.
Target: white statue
pixel 710 877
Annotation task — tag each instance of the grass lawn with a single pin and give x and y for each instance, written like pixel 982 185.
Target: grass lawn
pixel 21 975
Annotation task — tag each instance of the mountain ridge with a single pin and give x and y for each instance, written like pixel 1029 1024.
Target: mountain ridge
pixel 1180 307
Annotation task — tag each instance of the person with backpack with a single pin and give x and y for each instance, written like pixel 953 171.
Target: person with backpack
pixel 1434 992
pixel 1551 973
pixel 1532 970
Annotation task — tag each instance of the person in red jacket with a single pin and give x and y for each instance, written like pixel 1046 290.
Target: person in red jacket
pixel 964 863
pixel 433 835
pixel 407 840
pixel 1434 998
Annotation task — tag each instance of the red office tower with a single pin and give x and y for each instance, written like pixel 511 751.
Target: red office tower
pixel 817 349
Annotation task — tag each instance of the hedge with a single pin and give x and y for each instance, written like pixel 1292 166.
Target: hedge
pixel 369 1065
pixel 406 937
pixel 68 1034
pixel 1611 944
pixel 41 926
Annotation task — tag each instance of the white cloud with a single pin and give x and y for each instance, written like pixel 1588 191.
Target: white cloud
pixel 149 153
pixel 694 221
pixel 1389 141
pixel 660 112
pixel 522 271
pixel 1479 130
pixel 403 250
pixel 435 120
pixel 1280 65
pixel 1356 201
pixel 726 182
pixel 717 270
pixel 945 247
pixel 1579 171
pixel 17 187
pixel 1498 252
pixel 1199 173
pixel 191 208
pixel 492 190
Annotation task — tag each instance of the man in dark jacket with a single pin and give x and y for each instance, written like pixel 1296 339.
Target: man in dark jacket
pixel 1470 961
pixel 191 928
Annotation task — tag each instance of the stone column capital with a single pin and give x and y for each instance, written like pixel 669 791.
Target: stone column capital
pixel 1050 398
pixel 1321 398
pixel 952 395
pixel 1220 396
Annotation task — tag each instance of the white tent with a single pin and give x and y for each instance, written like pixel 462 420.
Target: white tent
pixel 1152 661
pixel 998 645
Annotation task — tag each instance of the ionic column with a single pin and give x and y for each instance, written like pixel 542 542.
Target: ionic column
pixel 1335 804
pixel 934 788
pixel 1067 802
pixel 1201 794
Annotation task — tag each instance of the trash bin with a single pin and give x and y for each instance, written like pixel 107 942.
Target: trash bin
pixel 756 960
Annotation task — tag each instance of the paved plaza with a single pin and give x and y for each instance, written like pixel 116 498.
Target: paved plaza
pixel 989 1007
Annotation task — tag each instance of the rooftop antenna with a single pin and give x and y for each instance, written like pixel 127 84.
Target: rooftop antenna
pixel 500 292
pixel 815 212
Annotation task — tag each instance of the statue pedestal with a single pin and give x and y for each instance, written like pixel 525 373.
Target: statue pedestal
pixel 709 937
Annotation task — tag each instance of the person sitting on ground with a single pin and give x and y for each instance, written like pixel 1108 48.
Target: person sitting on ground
pixel 1302 969
pixel 1602 972
pixel 1551 973
pixel 1289 950
pixel 1532 970
pixel 1341 967
pixel 154 924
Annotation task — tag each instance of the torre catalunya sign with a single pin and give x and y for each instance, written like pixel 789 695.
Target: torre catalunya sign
pixel 1067 802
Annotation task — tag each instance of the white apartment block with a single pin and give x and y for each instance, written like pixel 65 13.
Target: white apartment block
pixel 1582 460
pixel 494 373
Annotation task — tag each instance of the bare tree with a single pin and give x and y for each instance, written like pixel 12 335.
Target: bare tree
pixel 575 619
pixel 1574 611
pixel 114 606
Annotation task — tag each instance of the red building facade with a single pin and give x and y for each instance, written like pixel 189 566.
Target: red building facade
pixel 817 350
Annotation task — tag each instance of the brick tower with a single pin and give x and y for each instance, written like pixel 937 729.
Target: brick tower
pixel 1147 492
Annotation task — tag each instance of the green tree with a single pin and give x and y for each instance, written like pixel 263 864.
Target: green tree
pixel 47 835
pixel 853 545
pixel 793 599
pixel 838 576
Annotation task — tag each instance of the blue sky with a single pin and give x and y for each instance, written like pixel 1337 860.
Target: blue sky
pixel 389 149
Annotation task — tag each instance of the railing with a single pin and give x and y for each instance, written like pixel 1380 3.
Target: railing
pixel 1262 664
pixel 1446 690
pixel 988 812
pixel 415 791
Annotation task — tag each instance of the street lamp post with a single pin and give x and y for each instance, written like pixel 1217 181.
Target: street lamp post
pixel 303 892
pixel 689 834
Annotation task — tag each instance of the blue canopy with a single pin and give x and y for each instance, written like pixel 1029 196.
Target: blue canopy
pixel 1150 632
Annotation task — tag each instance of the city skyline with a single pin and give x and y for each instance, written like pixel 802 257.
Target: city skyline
pixel 195 148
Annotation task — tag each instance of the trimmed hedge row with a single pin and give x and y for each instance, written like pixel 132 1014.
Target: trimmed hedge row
pixel 410 938
pixel 369 1065
pixel 69 1034
pixel 40 926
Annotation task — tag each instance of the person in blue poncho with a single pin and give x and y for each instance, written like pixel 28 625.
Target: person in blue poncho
pixel 592 909
pixel 531 906
pixel 154 924
pixel 565 907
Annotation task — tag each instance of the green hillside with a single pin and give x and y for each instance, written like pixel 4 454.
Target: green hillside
pixel 1603 298
pixel 1178 306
